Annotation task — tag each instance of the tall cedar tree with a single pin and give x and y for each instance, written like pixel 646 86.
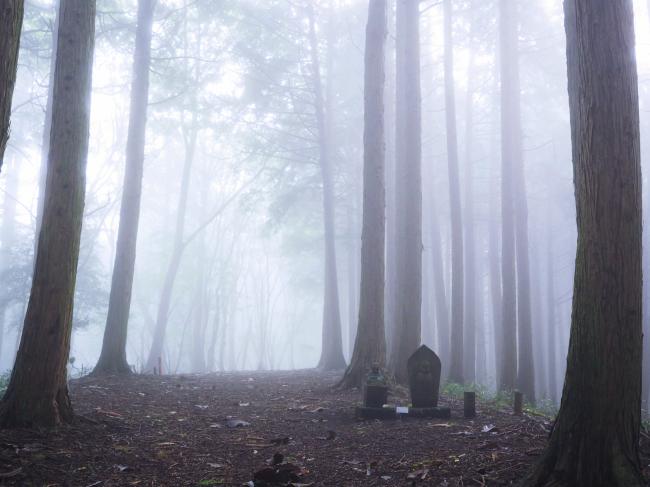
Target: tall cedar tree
pixel 370 344
pixel 37 394
pixel 408 184
pixel 595 439
pixel 472 302
pixel 456 368
pixel 113 355
pixel 509 152
pixel 332 350
pixel 11 21
pixel 511 91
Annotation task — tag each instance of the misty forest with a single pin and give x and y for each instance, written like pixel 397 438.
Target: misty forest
pixel 324 243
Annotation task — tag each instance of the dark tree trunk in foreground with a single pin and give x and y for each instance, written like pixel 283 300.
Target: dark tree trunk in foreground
pixel 38 393
pixel 332 349
pixel 595 440
pixel 456 367
pixel 11 21
pixel 509 153
pixel 113 355
pixel 370 344
pixel 408 184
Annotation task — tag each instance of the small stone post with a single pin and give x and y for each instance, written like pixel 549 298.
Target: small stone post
pixel 519 403
pixel 469 404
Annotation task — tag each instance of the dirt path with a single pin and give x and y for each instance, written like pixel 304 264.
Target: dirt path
pixel 179 430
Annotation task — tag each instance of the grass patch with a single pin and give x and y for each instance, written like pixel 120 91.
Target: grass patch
pixel 498 399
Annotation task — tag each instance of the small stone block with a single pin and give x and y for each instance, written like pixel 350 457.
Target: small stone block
pixel 375 413
pixel 469 404
pixel 437 412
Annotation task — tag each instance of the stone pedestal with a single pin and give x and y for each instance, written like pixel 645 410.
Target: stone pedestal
pixel 365 412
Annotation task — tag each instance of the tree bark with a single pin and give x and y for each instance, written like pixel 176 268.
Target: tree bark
pixel 595 439
pixel 408 181
pixel 370 344
pixel 11 21
pixel 332 343
pixel 112 359
pixel 509 153
pixel 37 394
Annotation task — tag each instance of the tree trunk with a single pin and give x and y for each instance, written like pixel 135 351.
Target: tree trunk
pixel 11 21
pixel 511 90
pixel 389 136
pixel 509 154
pixel 456 367
pixel 595 439
pixel 37 394
pixel 370 344
pixel 471 311
pixel 408 185
pixel 440 293
pixel 332 349
pixel 353 278
pixel 112 359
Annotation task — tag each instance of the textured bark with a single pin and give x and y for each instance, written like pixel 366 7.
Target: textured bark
pixel 456 368
pixel 112 359
pixel 370 345
pixel 509 152
pixel 37 394
pixel 11 21
pixel 595 438
pixel 332 349
pixel 408 184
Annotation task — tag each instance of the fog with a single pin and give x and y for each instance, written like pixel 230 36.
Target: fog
pixel 232 189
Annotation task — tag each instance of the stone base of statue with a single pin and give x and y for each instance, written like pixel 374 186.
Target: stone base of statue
pixel 431 412
pixel 365 412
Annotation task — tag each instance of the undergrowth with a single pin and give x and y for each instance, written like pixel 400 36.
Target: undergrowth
pixel 499 399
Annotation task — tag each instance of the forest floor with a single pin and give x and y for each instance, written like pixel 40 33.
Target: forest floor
pixel 221 429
